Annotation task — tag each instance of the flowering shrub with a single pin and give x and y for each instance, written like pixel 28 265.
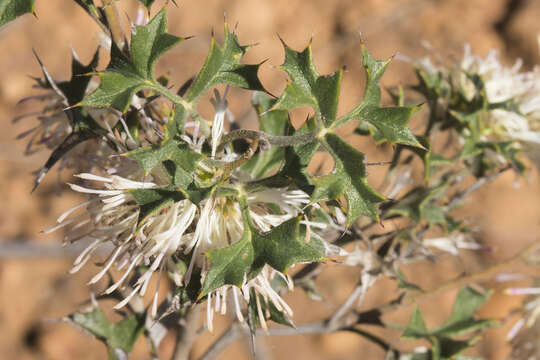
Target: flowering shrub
pixel 227 215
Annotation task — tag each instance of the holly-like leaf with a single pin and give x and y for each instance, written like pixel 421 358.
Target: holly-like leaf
pixel 174 150
pixel 229 266
pixel 223 65
pixel 151 201
pixel 387 123
pixel 347 179
pixel 119 337
pixel 125 76
pixel 283 246
pixel 12 9
pixel 75 89
pixel 307 87
pixel 280 248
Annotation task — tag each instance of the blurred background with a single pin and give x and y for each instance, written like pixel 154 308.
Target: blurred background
pixel 34 283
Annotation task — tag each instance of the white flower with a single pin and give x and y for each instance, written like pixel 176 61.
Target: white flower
pixel 503 84
pixel 452 243
pixel 530 311
pixel 111 217
pixel 221 108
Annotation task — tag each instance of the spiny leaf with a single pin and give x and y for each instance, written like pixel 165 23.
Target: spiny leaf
pixel 349 179
pixel 283 246
pixel 388 123
pixel 280 248
pixel 229 266
pixel 223 65
pixel 151 201
pixel 75 89
pixel 125 76
pixel 307 88
pixel 117 336
pixel 12 9
pixel 171 149
pixel 72 140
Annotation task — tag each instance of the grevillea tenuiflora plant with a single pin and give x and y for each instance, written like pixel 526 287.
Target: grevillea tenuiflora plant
pixel 235 218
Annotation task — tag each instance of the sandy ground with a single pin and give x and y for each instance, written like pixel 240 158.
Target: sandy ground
pixel 34 288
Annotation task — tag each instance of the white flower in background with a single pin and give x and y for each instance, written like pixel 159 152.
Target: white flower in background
pixel 452 243
pixel 502 84
pixel 530 310
pixel 508 84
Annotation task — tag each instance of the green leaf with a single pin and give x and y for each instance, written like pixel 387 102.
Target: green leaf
pixel 150 201
pixel 280 248
pixel 12 9
pixel 125 76
pixel 268 310
pixel 403 283
pixel 387 123
pixel 175 150
pixel 283 246
pixel 147 3
pixel 391 123
pixel 349 179
pixel 462 319
pixel 417 327
pixel 75 89
pixel 117 336
pixel 229 265
pixel 223 65
pixel 420 205
pixel 274 122
pixel 307 87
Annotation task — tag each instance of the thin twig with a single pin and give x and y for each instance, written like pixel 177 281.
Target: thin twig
pixel 187 333
pixel 233 333
pixel 457 197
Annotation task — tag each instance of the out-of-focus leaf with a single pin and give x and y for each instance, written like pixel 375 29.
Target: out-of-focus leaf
pixel 119 337
pixel 12 9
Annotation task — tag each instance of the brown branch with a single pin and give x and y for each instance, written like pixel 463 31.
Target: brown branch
pixel 187 333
